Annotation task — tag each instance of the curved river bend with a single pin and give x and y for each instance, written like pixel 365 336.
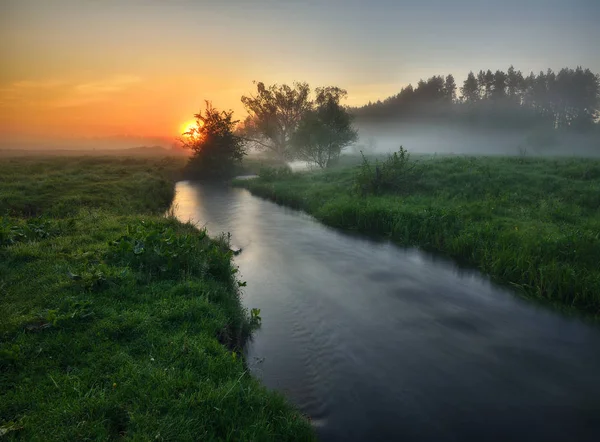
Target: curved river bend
pixel 375 342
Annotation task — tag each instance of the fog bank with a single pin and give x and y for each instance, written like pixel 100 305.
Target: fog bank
pixel 445 139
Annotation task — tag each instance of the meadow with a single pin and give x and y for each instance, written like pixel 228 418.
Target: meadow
pixel 117 322
pixel 529 222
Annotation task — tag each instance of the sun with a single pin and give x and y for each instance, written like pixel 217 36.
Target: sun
pixel 187 126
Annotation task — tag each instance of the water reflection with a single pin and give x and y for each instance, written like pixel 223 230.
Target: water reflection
pixel 381 343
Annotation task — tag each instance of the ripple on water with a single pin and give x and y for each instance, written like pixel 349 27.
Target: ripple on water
pixel 463 324
pixel 377 343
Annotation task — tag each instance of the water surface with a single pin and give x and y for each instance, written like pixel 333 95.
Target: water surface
pixel 376 342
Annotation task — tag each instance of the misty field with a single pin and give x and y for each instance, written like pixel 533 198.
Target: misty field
pixel 118 322
pixel 528 222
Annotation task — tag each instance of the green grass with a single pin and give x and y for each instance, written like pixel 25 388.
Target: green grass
pixel 532 223
pixel 116 322
pixel 59 187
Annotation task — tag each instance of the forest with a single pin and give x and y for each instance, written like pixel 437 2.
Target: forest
pixel 567 100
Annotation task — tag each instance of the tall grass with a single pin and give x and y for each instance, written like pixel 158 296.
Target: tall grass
pixel 531 223
pixel 116 322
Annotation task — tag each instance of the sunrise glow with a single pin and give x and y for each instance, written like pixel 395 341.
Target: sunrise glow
pixel 188 126
pixel 65 77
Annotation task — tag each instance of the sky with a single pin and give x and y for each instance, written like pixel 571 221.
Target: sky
pixel 142 68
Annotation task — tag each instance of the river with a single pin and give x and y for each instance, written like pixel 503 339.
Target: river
pixel 377 342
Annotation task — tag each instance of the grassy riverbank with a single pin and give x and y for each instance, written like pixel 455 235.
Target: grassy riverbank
pixel 529 222
pixel 116 322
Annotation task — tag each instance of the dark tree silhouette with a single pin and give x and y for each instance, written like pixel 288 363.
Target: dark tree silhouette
pixel 217 151
pixel 470 89
pixel 498 87
pixel 481 84
pixel 567 101
pixel 488 83
pixel 450 89
pixel 515 85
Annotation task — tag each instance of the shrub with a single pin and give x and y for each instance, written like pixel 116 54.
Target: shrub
pixel 395 174
pixel 274 173
pixel 217 150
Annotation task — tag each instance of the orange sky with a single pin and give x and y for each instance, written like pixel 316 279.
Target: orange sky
pixel 117 104
pixel 95 68
pixel 75 68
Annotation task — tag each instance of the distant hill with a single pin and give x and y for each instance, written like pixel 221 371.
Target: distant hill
pixel 147 150
pixel 86 144
pixel 150 151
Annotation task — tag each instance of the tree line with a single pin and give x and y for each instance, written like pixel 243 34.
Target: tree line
pixel 294 122
pixel 568 99
pixel 290 122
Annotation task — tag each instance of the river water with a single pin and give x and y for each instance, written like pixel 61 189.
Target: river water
pixel 376 342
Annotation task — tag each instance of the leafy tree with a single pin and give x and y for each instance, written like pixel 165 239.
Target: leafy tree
pixel 325 130
pixel 274 114
pixel 217 150
pixel 450 88
pixel 499 86
pixel 539 91
pixel 431 90
pixel 576 97
pixel 488 83
pixel 406 93
pixel 470 89
pixel 515 84
pixel 528 84
pixel 481 84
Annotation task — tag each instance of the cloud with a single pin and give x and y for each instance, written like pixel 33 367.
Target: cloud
pixel 96 91
pixel 44 84
pixel 109 85
pixel 27 92
pixel 61 93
